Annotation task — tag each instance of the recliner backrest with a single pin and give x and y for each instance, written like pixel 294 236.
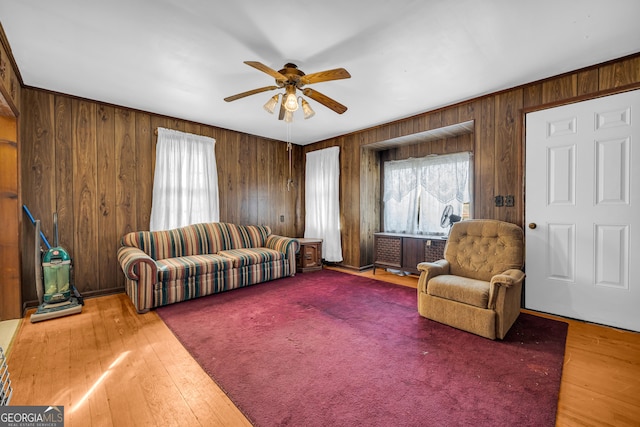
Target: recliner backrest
pixel 482 248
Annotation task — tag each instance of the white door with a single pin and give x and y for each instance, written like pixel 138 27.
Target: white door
pixel 583 198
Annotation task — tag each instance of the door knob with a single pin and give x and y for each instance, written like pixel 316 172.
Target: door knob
pixel 532 225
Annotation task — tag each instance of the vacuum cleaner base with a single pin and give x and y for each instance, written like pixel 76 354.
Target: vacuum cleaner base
pixel 51 311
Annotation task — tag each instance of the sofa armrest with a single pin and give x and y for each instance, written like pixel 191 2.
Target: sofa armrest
pixel 131 260
pixel 141 274
pixel 282 244
pixel 505 281
pixel 287 246
pixel 429 270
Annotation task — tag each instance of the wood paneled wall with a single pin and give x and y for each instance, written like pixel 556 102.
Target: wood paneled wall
pixel 498 147
pixel 10 207
pixel 10 290
pixel 93 164
pixel 457 144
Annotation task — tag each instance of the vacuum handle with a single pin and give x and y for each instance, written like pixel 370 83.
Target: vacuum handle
pixel 33 221
pixel 55 229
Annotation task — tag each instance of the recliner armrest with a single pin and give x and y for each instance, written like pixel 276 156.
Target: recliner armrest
pixel 429 270
pixel 503 280
pixel 508 278
pixel 436 265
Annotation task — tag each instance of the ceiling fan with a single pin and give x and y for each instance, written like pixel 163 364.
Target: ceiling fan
pixel 291 79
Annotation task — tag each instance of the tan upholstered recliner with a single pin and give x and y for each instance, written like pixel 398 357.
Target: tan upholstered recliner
pixel 478 284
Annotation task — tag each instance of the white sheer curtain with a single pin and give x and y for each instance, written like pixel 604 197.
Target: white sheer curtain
pixel 322 201
pixel 185 184
pixel 417 190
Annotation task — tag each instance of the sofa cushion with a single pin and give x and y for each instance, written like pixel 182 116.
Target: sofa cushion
pixel 197 239
pixel 250 256
pixel 170 269
pixel 233 236
pixel 461 289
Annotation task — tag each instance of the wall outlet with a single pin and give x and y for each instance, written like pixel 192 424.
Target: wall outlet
pixel 499 201
pixel 281 218
pixel 509 201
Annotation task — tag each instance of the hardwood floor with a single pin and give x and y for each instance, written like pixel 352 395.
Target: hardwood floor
pixel 110 366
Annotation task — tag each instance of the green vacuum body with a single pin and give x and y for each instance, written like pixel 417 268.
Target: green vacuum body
pixel 56 269
pixel 56 292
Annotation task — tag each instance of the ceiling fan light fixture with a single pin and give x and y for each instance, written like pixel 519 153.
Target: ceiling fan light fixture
pixel 290 100
pixel 306 109
pixel 288 116
pixel 290 79
pixel 270 106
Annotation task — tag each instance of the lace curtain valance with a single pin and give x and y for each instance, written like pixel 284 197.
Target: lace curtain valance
pixel 444 177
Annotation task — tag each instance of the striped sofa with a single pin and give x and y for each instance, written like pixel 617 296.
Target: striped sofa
pixel 164 267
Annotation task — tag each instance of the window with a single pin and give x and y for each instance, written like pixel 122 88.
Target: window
pixel 322 201
pixel 185 184
pixel 416 191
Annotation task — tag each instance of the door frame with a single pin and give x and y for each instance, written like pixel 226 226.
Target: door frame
pixel 523 136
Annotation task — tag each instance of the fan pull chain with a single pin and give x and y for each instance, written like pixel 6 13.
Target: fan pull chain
pixel 290 151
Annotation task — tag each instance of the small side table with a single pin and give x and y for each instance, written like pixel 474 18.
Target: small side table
pixel 309 257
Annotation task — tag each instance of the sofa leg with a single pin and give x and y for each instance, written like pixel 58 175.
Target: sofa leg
pixel 143 311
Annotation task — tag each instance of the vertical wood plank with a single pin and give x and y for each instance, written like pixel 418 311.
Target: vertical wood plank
pixel 508 153
pixel 350 200
pixel 588 82
pixel 126 182
pixel 484 161
pixel 145 165
pixel 271 209
pixel 469 111
pixel 64 177
pixel 126 166
pixel 370 202
pixel 230 183
pixel 85 187
pixel 246 178
pixel 278 188
pixel 532 95
pixel 193 128
pixel 156 122
pixel 559 89
pixel 297 228
pixel 10 212
pixel 619 73
pixel 450 117
pixel 37 153
pixel 106 180
pixel 464 143
pixel 262 185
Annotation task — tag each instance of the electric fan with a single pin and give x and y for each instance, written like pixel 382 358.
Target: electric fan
pixel 448 217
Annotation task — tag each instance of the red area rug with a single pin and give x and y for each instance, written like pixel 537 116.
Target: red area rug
pixel 334 349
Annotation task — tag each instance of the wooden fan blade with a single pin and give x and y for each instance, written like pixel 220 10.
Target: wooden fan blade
pixel 273 73
pixel 325 100
pixel 324 76
pixel 249 93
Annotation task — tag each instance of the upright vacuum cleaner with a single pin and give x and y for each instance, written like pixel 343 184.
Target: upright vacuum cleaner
pixel 57 296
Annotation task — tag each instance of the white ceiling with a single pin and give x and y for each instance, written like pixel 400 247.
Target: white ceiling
pixel 182 57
